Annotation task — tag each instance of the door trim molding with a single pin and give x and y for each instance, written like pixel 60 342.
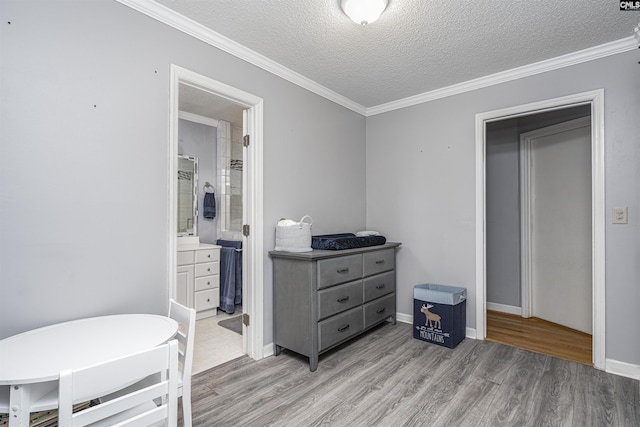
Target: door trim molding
pixel 526 204
pixel 253 245
pixel 596 100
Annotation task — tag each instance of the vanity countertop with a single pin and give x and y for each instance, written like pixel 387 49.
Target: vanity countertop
pixel 195 246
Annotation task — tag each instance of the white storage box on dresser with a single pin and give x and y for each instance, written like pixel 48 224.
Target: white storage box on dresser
pixel 198 278
pixel 324 298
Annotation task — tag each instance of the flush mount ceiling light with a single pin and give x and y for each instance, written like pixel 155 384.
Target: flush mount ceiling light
pixel 364 12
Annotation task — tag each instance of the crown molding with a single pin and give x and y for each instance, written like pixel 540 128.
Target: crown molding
pixel 188 26
pixel 590 54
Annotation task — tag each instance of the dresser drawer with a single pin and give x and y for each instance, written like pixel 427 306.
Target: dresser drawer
pixel 380 309
pixel 207 282
pixel 207 255
pixel 379 261
pixel 339 298
pixel 379 285
pixel 339 270
pixel 340 327
pixel 206 300
pixel 185 257
pixel 207 269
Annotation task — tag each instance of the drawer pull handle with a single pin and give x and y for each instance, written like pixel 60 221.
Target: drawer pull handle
pixel 381 261
pixel 380 286
pixel 208 300
pixel 208 283
pixel 380 310
pixel 209 256
pixel 343 328
pixel 343 270
pixel 208 269
pixel 343 299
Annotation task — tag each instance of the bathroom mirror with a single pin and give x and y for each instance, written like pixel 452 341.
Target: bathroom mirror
pixel 187 189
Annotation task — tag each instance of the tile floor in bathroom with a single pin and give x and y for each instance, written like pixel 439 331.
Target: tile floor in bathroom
pixel 215 345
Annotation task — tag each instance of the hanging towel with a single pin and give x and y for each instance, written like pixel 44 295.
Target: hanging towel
pixel 230 274
pixel 230 279
pixel 209 205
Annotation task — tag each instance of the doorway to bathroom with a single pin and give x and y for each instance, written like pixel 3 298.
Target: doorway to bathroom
pixel 210 129
pixel 547 146
pixel 221 126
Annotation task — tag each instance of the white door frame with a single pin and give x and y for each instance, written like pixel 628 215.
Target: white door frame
pixel 596 100
pixel 253 245
pixel 526 194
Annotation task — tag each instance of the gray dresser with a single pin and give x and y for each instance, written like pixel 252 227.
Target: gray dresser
pixel 323 298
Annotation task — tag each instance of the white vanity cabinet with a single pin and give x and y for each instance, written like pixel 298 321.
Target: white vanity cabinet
pixel 198 278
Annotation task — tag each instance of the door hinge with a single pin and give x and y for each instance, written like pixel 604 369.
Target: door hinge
pixel 245 230
pixel 245 319
pixel 245 140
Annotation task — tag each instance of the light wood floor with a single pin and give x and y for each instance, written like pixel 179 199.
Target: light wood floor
pixel 540 336
pixel 388 378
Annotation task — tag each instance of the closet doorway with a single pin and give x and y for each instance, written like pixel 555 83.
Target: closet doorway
pixel 202 109
pixel 538 182
pixel 509 255
pixel 555 218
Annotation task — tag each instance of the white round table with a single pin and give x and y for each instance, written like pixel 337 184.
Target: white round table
pixel 35 357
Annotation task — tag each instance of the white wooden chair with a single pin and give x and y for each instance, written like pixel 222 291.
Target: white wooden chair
pixel 136 408
pixel 186 318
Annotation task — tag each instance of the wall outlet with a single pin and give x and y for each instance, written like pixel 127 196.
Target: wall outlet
pixel 620 215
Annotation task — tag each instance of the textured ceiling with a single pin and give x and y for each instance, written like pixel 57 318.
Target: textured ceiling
pixel 417 45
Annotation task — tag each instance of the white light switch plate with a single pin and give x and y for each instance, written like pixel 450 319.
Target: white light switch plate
pixel 620 215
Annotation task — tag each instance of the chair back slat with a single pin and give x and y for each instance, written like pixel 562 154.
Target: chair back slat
pixel 183 340
pixel 134 408
pixel 121 404
pixel 186 318
pixel 148 418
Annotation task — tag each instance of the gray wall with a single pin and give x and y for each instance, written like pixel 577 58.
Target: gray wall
pixel 421 185
pixel 85 113
pixel 503 213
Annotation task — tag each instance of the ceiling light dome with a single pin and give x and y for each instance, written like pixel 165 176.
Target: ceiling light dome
pixel 364 12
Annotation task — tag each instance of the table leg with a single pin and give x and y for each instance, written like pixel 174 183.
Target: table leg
pixel 19 404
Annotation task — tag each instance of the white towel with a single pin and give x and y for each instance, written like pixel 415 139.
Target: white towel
pixel 367 233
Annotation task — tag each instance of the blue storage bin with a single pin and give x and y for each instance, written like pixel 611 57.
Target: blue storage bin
pixel 439 314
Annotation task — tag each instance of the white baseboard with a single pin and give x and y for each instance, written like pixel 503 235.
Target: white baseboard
pixel 623 369
pixel 504 308
pixel 471 333
pixel 268 350
pixel 404 318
